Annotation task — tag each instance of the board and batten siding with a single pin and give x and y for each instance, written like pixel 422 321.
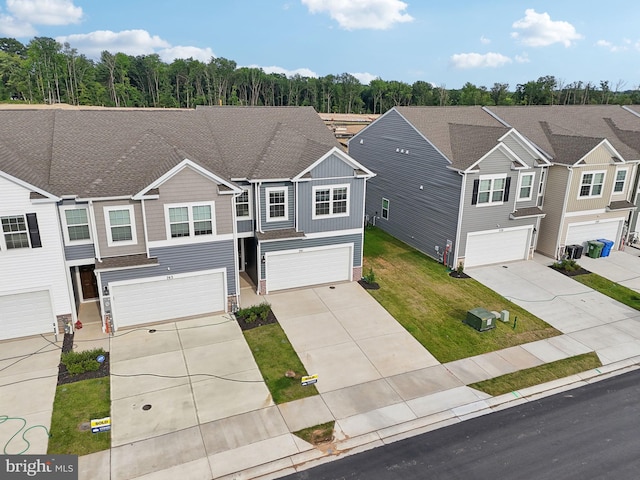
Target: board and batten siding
pixel 33 269
pixel 306 222
pixel 80 252
pixel 187 186
pixel 182 259
pixel 423 193
pixel 101 227
pixel 477 218
pixel 554 194
pixel 301 243
pixel 277 225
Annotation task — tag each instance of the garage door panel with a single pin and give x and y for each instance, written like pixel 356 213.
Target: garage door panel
pixel 484 248
pixel 308 267
pixel 582 233
pixel 25 314
pixel 164 299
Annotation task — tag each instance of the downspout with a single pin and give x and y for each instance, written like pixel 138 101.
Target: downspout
pixel 259 229
pixel 364 213
pixel 456 248
pixel 564 210
pixel 144 226
pixel 94 231
pixel 295 203
pixel 236 267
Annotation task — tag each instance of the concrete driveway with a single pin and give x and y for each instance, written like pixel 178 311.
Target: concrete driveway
pixel 28 379
pixel 596 321
pixel 620 267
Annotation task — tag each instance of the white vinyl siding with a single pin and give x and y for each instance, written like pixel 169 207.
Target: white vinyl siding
pixel 120 223
pixel 591 184
pixel 277 204
pixel 495 246
pixel 330 201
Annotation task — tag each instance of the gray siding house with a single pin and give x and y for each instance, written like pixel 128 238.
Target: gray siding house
pixel 453 182
pixel 159 212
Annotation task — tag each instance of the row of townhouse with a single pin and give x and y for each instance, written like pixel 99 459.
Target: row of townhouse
pixel 482 185
pixel 156 213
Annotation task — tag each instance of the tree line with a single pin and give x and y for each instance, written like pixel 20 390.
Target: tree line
pixel 45 71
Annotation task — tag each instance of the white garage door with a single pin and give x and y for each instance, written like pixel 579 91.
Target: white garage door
pixel 164 298
pixel 25 314
pixel 484 248
pixel 581 233
pixel 312 266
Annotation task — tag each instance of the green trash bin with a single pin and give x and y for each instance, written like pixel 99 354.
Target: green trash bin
pixel 595 249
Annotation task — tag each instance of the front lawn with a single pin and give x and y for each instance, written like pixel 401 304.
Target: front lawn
pixel 431 305
pixel 611 289
pixel 75 405
pixel 275 357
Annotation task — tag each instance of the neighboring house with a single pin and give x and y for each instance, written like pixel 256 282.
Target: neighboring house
pixel 591 186
pixel 159 211
pixel 453 182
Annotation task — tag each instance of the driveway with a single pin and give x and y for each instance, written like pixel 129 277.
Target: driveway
pixel 620 267
pixel 28 379
pixel 600 323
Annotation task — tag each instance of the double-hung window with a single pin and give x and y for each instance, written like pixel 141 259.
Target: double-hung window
pixel 330 201
pixel 76 221
pixel 189 220
pixel 121 228
pixel 14 231
pixel 591 184
pixel 621 177
pixel 243 206
pixel 525 190
pixel 490 190
pixel 276 198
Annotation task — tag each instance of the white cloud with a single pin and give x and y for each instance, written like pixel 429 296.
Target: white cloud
pixel 612 47
pixel 478 60
pixel 538 30
pixel 303 72
pixel 197 53
pixel 362 14
pixel 131 42
pixel 484 40
pixel 524 58
pixel 12 27
pixel 45 12
pixel 365 77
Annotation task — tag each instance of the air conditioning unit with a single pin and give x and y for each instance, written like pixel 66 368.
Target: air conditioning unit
pixel 480 319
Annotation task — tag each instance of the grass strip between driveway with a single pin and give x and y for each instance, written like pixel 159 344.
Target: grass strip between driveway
pixel 537 375
pixel 611 289
pixel 275 356
pixel 75 405
pixel 432 305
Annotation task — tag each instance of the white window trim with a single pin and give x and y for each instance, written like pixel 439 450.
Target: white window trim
pixel 314 216
pixel 594 173
pixel 192 235
pixel 3 241
pixel 531 187
pixel 624 182
pixel 268 216
pixel 65 227
pixel 493 177
pixel 382 209
pixel 249 198
pixel 132 217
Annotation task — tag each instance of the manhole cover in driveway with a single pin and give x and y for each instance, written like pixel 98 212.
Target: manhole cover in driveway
pixel 146 407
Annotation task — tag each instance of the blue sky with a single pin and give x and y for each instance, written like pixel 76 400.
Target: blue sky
pixel 445 43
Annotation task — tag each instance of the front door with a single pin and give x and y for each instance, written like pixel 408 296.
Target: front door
pixel 88 282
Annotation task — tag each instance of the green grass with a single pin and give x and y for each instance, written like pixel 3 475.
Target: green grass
pixel 610 289
pixel 275 356
pixel 75 404
pixel 537 375
pixel 317 434
pixel 431 305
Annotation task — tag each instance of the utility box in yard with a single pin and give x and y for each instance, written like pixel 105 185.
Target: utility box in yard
pixel 480 319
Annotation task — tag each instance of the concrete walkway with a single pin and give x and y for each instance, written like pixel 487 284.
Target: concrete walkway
pixel 620 267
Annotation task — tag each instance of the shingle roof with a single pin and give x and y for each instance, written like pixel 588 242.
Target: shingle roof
pixel 100 153
pixel 565 131
pixel 463 134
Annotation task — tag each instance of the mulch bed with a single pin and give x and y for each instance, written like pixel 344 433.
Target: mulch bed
pixel 571 273
pixel 65 377
pixel 368 285
pixel 456 274
pixel 244 325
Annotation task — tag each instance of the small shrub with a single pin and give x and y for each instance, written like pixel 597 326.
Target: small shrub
pixel 251 314
pixel 370 277
pixel 460 268
pixel 567 265
pixel 81 362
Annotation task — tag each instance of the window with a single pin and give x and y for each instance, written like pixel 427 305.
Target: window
pixel 385 209
pixel 621 177
pixel 591 184
pixel 77 225
pixel 276 204
pixel 243 206
pixel 120 226
pixel 189 220
pixel 541 187
pixel 15 232
pixel 488 190
pixel 331 201
pixel 526 186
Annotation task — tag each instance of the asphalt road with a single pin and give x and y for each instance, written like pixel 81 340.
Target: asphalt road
pixel 587 433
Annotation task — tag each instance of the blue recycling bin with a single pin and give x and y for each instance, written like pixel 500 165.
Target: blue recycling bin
pixel 606 250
